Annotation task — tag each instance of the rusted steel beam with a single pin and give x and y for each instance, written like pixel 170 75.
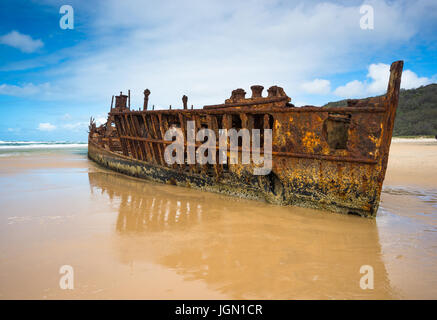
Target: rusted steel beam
pixel 163 124
pixel 213 125
pixel 182 123
pixel 138 144
pixel 141 132
pixel 244 120
pixel 149 147
pixel 130 133
pixel 227 124
pixel 246 103
pixel 126 133
pixel 153 133
pixel 198 126
pixel 163 127
pixel 148 134
pixel 160 125
pixel 157 132
pixel 266 121
pixel 110 138
pixel 231 110
pixel 123 142
pixel 137 130
pixel 275 153
pixel 155 126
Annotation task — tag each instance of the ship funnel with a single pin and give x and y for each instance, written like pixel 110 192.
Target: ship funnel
pixel 257 91
pixel 237 95
pixel 121 101
pixel 275 91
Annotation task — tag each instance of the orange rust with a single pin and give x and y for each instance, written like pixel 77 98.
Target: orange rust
pixel 327 158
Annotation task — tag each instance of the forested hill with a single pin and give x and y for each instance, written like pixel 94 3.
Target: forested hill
pixel 416 114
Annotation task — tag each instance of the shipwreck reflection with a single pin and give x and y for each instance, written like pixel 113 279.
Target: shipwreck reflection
pixel 140 208
pixel 155 214
pixel 243 249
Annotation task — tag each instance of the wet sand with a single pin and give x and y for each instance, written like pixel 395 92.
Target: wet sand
pixel 131 239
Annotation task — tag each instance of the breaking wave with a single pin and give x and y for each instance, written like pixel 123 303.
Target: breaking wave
pixel 19 145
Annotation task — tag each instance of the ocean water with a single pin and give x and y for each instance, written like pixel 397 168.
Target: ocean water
pixel 21 148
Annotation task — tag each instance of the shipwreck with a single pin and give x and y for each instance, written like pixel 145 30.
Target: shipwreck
pixel 329 158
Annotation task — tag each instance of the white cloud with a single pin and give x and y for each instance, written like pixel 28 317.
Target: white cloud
pixel 13 90
pixel 353 88
pixel 46 126
pixel 317 86
pixel 300 103
pixel 411 80
pixel 380 73
pixel 41 91
pixel 21 41
pixel 378 76
pixel 75 126
pixel 215 47
pixel 100 120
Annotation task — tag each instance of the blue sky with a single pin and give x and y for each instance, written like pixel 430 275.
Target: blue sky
pixel 52 80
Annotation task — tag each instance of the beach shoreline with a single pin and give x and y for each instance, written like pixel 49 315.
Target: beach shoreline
pixel 132 239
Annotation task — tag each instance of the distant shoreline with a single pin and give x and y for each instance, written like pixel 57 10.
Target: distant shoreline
pixel 74 144
pixel 415 137
pixel 32 145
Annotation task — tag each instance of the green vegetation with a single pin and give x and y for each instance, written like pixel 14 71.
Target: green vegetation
pixel 416 114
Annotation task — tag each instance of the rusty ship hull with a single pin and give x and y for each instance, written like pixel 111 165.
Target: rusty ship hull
pixel 330 158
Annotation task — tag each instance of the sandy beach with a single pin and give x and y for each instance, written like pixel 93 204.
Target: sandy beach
pixel 132 239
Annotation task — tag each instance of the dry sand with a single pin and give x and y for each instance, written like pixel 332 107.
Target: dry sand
pixel 126 238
